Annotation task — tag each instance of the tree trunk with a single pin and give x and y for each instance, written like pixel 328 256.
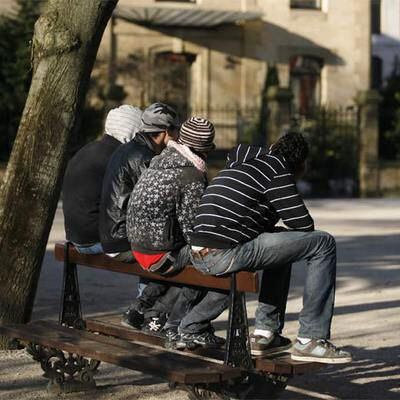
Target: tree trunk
pixel 64 48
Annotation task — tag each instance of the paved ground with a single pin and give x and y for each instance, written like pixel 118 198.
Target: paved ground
pixel 367 316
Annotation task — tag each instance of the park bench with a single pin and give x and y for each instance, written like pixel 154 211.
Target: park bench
pixel 71 350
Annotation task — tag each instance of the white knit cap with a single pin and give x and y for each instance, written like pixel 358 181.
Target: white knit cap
pixel 123 122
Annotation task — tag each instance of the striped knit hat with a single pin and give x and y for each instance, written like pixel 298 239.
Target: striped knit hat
pixel 197 133
pixel 122 123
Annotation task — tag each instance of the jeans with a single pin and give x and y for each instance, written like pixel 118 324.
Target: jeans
pixel 195 308
pixel 190 309
pixel 95 248
pixel 142 284
pixel 158 298
pixel 273 253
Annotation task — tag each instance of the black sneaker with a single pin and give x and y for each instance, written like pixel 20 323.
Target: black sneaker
pixel 206 339
pixel 172 340
pixel 154 325
pixel 262 346
pixel 132 319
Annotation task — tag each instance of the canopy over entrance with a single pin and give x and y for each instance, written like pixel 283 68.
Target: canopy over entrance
pixel 193 17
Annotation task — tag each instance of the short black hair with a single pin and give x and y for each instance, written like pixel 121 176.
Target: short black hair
pixel 294 147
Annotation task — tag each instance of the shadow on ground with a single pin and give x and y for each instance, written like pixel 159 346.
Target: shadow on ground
pixel 371 373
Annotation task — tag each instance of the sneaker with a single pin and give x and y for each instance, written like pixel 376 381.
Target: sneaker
pixel 154 325
pixel 172 340
pixel 132 319
pixel 320 350
pixel 262 346
pixel 205 339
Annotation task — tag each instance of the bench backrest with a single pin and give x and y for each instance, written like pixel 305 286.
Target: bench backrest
pixel 245 281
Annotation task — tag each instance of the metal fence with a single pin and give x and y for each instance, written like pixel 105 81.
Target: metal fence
pixel 332 133
pixel 333 136
pixel 232 125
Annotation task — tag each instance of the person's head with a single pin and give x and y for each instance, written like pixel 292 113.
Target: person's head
pixel 123 122
pixel 198 134
pixel 161 123
pixel 294 148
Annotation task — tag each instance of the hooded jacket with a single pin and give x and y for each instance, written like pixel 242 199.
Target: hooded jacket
pixel 82 190
pixel 164 201
pixel 247 198
pixel 123 171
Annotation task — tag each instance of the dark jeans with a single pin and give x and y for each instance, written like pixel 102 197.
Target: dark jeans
pixel 190 309
pixel 152 292
pixel 274 253
pixel 195 308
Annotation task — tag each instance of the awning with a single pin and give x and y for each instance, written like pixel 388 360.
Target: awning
pixel 194 17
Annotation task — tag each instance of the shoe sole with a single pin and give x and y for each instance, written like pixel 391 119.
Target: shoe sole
pixel 270 352
pixel 175 346
pixel 342 360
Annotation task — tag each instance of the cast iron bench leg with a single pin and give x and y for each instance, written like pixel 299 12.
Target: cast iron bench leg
pixel 67 372
pixel 70 307
pixel 254 384
pixel 237 341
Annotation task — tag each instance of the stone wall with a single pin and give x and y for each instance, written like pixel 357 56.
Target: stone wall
pixel 389 178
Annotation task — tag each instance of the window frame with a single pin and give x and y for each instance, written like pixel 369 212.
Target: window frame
pixel 296 5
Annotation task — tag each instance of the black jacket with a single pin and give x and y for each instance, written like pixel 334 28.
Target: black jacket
pixel 123 171
pixel 82 190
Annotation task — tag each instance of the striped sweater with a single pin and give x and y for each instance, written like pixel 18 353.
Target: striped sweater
pixel 254 191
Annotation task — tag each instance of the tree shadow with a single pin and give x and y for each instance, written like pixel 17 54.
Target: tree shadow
pixel 374 374
pixel 371 260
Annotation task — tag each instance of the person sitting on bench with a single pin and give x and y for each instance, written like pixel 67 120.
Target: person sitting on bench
pixel 234 230
pixel 159 124
pixel 160 216
pixel 84 178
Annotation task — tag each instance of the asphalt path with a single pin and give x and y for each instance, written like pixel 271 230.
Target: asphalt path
pixel 366 322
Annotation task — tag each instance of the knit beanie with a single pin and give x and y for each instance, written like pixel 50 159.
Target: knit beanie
pixel 197 133
pixel 159 117
pixel 122 123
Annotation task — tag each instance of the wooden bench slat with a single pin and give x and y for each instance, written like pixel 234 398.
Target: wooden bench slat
pixel 246 281
pixel 281 364
pixel 162 363
pixel 113 328
pixel 225 371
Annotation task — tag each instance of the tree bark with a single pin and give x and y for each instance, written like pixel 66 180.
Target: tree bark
pixel 64 47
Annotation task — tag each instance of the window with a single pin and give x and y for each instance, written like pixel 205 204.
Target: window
pixel 376 72
pixel 177 1
pixel 307 4
pixel 305 82
pixel 376 16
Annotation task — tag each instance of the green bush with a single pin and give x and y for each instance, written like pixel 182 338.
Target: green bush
pixel 16 32
pixel 333 139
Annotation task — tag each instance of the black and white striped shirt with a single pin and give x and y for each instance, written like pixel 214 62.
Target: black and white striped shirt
pixel 247 198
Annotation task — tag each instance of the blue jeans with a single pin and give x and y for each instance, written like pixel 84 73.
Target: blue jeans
pixel 95 248
pixel 190 309
pixel 273 253
pixel 195 308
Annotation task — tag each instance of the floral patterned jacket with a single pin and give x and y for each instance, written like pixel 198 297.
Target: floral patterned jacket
pixel 163 203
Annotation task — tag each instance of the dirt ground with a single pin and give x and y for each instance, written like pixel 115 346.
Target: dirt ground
pixel 366 322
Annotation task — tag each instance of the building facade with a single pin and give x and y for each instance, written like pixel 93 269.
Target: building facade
pixel 221 50
pixel 385 40
pixel 321 49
